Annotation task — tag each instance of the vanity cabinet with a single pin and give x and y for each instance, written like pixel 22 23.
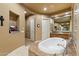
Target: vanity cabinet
pixel 65 36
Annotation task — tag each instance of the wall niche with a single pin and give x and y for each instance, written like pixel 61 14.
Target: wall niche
pixel 13 22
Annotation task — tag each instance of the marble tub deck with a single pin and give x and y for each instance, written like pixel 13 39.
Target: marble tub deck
pixel 34 50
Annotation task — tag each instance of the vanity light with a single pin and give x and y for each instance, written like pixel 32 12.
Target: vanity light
pixel 44 8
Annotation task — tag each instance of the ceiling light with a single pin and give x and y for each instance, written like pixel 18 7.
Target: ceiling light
pixel 45 9
pixel 25 12
pixel 66 13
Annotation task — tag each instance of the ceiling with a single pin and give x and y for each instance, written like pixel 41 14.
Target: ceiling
pixel 62 17
pixel 51 8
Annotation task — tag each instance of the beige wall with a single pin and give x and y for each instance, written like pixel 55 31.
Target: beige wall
pixel 70 25
pixel 76 27
pixel 9 42
pixel 38 31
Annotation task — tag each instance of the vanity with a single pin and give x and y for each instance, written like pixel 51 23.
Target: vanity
pixel 63 35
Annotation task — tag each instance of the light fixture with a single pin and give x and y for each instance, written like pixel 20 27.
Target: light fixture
pixel 44 8
pixel 77 10
pixel 66 13
pixel 25 12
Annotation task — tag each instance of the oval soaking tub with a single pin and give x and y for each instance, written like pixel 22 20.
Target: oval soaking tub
pixel 54 46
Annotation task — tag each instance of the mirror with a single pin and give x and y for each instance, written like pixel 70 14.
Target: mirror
pixel 61 24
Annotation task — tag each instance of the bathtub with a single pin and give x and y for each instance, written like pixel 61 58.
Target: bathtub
pixel 54 46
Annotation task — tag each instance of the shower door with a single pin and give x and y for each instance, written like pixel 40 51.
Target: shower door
pixel 45 29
